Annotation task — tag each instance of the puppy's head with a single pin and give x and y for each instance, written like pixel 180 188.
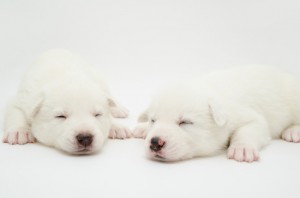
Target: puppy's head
pixel 184 125
pixel 75 119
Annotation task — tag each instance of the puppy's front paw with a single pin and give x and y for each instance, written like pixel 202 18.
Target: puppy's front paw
pixel 292 134
pixel 243 153
pixel 18 136
pixel 140 131
pixel 118 131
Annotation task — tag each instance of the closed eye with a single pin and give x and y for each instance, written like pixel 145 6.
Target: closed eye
pixel 61 117
pixel 185 122
pixel 98 115
pixel 152 120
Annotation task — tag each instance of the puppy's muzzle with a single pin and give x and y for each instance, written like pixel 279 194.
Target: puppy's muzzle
pixel 156 144
pixel 84 139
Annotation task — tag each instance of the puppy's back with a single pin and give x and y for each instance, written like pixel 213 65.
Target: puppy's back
pixel 59 65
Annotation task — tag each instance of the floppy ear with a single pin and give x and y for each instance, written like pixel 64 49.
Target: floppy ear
pixel 217 113
pixel 143 117
pixel 117 110
pixel 33 105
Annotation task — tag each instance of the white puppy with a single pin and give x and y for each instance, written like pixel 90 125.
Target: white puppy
pixel 63 103
pixel 243 108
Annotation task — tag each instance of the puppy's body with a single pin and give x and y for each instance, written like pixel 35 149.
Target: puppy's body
pixel 243 107
pixel 62 102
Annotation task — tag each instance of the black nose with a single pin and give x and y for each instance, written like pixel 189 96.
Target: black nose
pixel 156 144
pixel 84 139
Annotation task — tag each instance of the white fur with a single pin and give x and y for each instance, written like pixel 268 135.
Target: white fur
pixel 241 107
pixel 62 83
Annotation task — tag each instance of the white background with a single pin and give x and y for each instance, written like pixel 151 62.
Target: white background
pixel 141 45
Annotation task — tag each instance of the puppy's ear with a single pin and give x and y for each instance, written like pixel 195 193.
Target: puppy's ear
pixel 117 110
pixel 33 105
pixel 217 112
pixel 143 117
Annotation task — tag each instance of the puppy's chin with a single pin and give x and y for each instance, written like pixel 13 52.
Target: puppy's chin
pixel 75 149
pixel 169 154
pixel 162 156
pixel 81 151
pixel 158 157
pixel 85 151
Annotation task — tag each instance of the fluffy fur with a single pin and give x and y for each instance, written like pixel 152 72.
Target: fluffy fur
pixel 61 97
pixel 241 109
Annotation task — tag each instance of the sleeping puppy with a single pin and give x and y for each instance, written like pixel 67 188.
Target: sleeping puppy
pixel 63 103
pixel 241 109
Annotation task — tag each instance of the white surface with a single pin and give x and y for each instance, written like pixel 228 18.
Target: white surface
pixel 141 45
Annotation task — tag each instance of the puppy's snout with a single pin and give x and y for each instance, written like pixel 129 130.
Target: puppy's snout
pixel 156 144
pixel 84 139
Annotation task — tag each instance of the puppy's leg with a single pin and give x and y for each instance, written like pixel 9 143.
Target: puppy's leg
pixel 291 134
pixel 141 130
pixel 118 131
pixel 17 130
pixel 247 140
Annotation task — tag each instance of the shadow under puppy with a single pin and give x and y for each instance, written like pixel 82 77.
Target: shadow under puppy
pixel 63 103
pixel 241 107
